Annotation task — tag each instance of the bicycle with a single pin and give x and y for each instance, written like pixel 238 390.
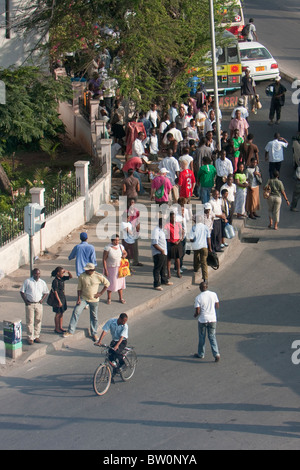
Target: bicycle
pixel 105 372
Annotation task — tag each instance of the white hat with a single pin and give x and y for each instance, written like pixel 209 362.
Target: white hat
pixel 163 170
pixel 146 159
pixel 278 77
pixel 89 267
pixel 207 206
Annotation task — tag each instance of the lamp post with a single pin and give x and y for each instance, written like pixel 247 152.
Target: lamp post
pixel 214 67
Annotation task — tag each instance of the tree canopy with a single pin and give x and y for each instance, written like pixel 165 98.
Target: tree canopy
pixel 157 40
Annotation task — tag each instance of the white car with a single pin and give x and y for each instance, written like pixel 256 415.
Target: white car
pixel 259 60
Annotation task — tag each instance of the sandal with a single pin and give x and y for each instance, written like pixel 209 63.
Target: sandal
pixel 108 301
pixel 122 301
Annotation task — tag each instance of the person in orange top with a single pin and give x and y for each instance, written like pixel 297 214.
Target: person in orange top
pixel 186 181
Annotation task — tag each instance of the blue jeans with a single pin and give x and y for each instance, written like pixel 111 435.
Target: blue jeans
pixel 205 195
pixel 210 327
pixel 93 316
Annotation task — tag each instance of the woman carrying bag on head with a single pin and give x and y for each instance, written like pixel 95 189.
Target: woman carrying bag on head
pixel 60 303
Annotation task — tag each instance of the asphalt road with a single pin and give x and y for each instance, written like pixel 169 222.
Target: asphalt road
pixel 277 25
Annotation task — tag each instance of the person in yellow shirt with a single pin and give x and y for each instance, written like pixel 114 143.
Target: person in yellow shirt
pixel 88 295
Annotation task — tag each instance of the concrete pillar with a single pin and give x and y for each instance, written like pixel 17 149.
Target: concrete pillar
pixel 94 106
pixel 106 154
pixel 82 174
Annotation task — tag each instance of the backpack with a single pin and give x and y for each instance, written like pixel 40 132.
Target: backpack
pixel 246 30
pixel 213 260
pixel 159 193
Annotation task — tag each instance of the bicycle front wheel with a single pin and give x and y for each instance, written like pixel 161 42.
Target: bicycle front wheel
pixel 130 364
pixel 102 379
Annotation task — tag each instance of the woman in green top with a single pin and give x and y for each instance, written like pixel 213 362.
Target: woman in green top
pixel 206 179
pixel 240 180
pixel 274 201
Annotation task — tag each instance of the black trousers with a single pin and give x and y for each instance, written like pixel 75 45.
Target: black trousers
pixel 113 355
pixel 216 235
pixel 275 108
pixel 160 270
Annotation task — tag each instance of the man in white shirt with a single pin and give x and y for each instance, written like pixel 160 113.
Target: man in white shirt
pixel 201 117
pixel 138 147
pixel 188 158
pixel 33 292
pixel 152 115
pixel 274 153
pixel 175 132
pixel 224 168
pixel 172 165
pixel 200 238
pixel 119 331
pixel 206 304
pixel 244 111
pixel 159 253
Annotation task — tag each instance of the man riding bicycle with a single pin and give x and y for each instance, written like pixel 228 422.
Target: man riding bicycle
pixel 119 331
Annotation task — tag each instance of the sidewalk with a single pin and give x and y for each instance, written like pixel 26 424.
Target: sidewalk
pixel 139 294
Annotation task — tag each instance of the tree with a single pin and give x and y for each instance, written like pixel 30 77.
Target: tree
pixel 157 40
pixel 31 110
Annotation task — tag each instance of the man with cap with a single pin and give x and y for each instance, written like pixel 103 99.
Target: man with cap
pixel 242 108
pixel 277 101
pixel 161 187
pixel 84 253
pixel 88 295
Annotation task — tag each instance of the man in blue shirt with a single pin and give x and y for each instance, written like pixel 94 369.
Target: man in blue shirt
pixel 84 254
pixel 119 331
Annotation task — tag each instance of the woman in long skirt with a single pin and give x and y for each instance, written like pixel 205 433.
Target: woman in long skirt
pixel 240 180
pixel 253 177
pixel 113 253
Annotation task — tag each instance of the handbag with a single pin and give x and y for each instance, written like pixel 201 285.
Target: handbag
pixel 267 192
pixel 124 269
pixel 229 231
pixel 258 178
pixel 213 260
pixel 52 300
pixel 258 104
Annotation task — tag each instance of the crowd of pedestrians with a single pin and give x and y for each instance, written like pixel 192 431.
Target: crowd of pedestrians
pixel 177 152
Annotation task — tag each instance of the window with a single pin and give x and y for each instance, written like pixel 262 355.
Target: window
pixel 258 53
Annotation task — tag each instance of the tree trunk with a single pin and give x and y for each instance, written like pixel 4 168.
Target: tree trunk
pixel 5 184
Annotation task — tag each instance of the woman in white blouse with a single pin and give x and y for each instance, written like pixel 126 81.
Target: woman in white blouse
pixel 113 253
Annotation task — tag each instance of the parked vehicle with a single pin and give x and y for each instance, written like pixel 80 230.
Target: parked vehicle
pixel 234 25
pixel 259 60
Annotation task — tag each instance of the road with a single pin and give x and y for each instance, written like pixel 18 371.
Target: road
pixel 250 400
pixel 277 25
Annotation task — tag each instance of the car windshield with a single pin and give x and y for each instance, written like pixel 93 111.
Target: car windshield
pixel 256 53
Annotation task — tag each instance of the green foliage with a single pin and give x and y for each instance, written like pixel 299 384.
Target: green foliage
pixel 31 110
pixel 159 39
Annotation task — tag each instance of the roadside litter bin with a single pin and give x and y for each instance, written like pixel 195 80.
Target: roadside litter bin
pixel 12 332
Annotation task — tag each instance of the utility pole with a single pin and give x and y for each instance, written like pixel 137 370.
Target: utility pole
pixel 214 67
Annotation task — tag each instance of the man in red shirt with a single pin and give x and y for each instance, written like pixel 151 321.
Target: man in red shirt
pixel 174 236
pixel 186 181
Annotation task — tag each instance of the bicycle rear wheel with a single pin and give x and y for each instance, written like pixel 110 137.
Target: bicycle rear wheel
pixel 102 379
pixel 130 364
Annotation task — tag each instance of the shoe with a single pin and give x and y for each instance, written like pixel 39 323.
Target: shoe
pixel 225 244
pixel 270 123
pixel 95 338
pixel 158 288
pixel 30 342
pixel 217 358
pixel 278 121
pixel 67 334
pixel 37 340
pixel 220 251
pixel 169 284
pixel 196 355
pixel 138 264
pixel 294 210
pixel 222 245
